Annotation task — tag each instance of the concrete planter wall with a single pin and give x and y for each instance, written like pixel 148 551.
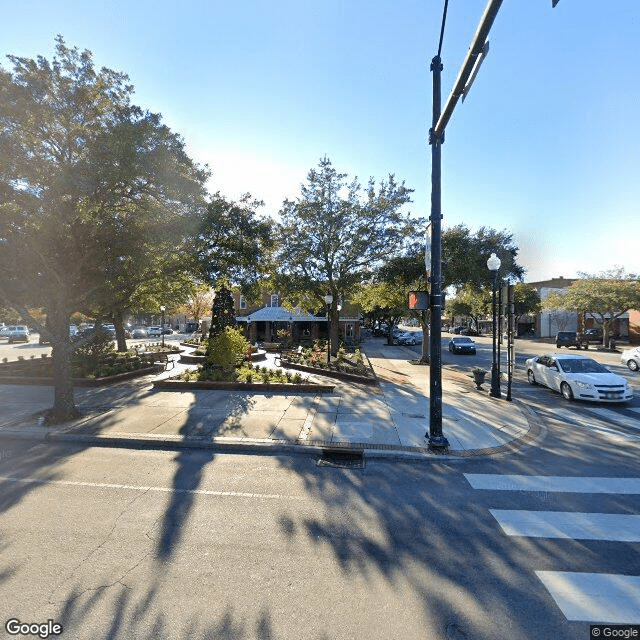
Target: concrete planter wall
pixel 338 375
pixel 81 382
pixel 182 385
pixel 261 354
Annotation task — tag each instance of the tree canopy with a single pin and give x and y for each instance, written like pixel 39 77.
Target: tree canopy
pixel 605 296
pixel 234 243
pixel 92 191
pixel 335 234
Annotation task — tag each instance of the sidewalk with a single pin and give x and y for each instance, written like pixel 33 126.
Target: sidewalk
pixel 390 420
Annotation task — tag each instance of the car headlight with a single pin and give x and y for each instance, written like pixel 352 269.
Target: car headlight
pixel 582 385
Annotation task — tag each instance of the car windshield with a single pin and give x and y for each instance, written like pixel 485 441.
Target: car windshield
pixel 462 340
pixel 581 365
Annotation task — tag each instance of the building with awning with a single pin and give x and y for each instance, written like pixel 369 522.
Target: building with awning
pixel 263 325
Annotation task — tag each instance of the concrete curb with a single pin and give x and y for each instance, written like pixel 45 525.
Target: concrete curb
pixel 249 446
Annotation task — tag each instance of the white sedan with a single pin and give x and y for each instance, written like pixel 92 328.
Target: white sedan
pixel 578 377
pixel 631 357
pixel 154 332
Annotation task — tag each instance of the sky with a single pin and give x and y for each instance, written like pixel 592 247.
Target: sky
pixel 546 145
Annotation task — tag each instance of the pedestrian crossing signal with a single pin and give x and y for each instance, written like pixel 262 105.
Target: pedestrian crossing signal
pixel 418 300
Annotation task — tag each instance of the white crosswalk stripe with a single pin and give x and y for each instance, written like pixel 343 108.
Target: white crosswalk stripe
pixel 581 596
pixel 566 484
pixel 605 428
pixel 591 597
pixel 559 524
pixel 615 416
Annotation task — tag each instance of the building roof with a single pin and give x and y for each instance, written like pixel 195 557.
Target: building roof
pixel 278 314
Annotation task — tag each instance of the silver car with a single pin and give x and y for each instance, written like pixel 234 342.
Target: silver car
pixel 18 333
pixel 631 357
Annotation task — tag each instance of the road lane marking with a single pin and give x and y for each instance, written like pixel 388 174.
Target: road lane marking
pixel 129 487
pixel 560 484
pixel 593 424
pixel 560 524
pixel 612 416
pixel 594 597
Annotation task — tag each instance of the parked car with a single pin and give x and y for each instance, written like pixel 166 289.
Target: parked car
pixel 91 329
pixel 139 332
pixel 408 337
pixel 469 331
pixel 631 357
pixel 462 344
pixel 591 336
pixel 567 339
pixel 18 333
pixel 578 377
pixel 154 332
pixel 167 331
pixel 44 336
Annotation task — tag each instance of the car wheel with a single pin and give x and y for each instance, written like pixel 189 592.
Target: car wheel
pixel 633 365
pixel 531 377
pixel 412 342
pixel 566 392
pixel 558 346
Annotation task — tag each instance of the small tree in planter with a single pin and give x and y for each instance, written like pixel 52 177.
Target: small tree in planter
pixel 227 349
pixel 222 312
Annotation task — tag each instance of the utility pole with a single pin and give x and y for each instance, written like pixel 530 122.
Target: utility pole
pixel 437 441
pixel 467 74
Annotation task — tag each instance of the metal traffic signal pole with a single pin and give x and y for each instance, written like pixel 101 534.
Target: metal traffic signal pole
pixel 437 441
pixel 466 76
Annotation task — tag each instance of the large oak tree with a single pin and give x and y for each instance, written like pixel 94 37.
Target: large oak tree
pixel 335 234
pixel 90 188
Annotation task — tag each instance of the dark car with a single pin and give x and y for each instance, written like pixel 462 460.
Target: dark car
pixel 19 333
pixel 462 344
pixel 567 339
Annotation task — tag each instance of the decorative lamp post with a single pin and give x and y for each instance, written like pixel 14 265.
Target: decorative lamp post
pixel 493 264
pixel 328 300
pixel 162 310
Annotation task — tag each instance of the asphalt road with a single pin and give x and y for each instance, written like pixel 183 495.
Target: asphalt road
pixel 128 544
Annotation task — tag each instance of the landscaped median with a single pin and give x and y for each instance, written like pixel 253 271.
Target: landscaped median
pixel 104 369
pixel 349 366
pixel 245 376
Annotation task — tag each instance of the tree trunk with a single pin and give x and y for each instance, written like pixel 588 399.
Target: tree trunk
pixel 64 407
pixel 118 322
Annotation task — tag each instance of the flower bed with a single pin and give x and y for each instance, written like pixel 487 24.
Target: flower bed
pixel 245 377
pixel 346 365
pixel 110 367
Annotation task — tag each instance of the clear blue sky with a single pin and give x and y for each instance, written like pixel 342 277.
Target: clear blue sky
pixel 547 144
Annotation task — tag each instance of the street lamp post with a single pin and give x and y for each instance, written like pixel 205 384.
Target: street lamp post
pixel 328 300
pixel 493 264
pixel 162 310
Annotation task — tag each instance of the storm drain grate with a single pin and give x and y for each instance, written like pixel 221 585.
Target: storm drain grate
pixel 342 459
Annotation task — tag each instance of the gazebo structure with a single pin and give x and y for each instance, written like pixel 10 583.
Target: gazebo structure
pixel 264 324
